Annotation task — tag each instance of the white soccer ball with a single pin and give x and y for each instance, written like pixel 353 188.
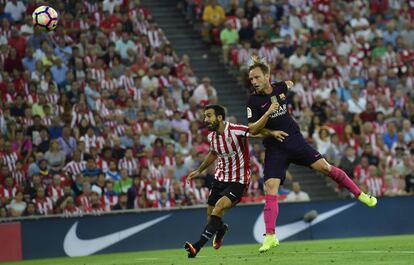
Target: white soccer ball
pixel 45 17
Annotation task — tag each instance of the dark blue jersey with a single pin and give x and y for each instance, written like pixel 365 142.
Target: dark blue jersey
pixel 281 120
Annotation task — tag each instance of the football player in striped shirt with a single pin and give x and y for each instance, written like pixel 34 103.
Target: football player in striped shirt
pixel 229 146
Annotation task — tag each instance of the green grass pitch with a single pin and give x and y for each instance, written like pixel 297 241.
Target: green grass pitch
pixel 373 250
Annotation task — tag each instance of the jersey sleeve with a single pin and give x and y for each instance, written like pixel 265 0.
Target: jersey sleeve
pixel 240 130
pixel 252 114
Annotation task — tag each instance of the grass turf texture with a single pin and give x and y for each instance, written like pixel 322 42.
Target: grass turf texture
pixel 372 250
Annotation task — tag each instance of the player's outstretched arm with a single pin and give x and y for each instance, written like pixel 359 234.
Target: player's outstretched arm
pixel 256 127
pixel 210 158
pixel 264 133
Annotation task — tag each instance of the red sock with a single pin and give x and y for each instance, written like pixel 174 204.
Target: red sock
pixel 342 178
pixel 271 210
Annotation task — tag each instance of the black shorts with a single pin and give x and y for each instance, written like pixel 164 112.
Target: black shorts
pixel 279 156
pixel 232 190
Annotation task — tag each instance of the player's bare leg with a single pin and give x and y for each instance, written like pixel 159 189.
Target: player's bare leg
pixel 340 177
pixel 271 210
pixel 214 224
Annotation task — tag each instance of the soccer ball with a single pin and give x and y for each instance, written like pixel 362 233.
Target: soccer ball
pixel 45 17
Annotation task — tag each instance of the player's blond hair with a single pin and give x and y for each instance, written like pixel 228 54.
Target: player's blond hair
pixel 257 62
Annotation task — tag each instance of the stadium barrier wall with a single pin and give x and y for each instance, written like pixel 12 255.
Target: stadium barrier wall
pixel 165 229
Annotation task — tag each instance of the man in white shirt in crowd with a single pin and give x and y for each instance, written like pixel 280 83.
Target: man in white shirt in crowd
pixel 204 92
pixel 296 195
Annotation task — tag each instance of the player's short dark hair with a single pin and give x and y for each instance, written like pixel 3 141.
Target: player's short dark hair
pixel 218 110
pixel 256 62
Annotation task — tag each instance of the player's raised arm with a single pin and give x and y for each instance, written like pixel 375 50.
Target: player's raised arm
pixel 210 158
pixel 256 127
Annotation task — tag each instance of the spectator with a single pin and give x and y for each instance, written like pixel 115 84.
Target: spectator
pixel 213 17
pixel 17 206
pixel 91 170
pixel 229 37
pixel 375 182
pixel 44 205
pixel 349 162
pixel 55 156
pixel 16 9
pixel 296 195
pixel 202 92
pixel 67 142
pixel 180 168
pixel 30 210
pixel 124 183
pixel 122 202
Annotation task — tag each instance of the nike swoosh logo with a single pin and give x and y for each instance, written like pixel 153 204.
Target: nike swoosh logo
pixel 288 230
pixel 74 246
pixel 264 105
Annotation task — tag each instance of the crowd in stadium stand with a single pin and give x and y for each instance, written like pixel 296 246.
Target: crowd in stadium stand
pixel 102 115
pixel 99 115
pixel 353 67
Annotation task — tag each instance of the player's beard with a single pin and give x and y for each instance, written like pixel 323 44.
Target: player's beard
pixel 213 126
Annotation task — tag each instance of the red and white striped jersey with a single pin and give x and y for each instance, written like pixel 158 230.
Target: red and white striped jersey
pixel 97 18
pixel 157 172
pixel 126 81
pixel 52 98
pixel 334 82
pixel 19 177
pixel 132 165
pixel 154 38
pixel 83 202
pixel 47 121
pixel 110 200
pixel 98 74
pixel 27 122
pixel 141 27
pixel 10 160
pixel 109 84
pixel 44 205
pixel 360 173
pixel 102 164
pixel 74 168
pixel 135 93
pixel 31 98
pixel 55 192
pixel 91 7
pixel 78 116
pixel 232 150
pixel 92 141
pixel 118 129
pixel 7 193
pixel 169 161
pixel 200 195
pixel 269 53
pixel 375 186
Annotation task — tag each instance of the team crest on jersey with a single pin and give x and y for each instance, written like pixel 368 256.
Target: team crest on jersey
pixel 249 112
pixel 282 96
